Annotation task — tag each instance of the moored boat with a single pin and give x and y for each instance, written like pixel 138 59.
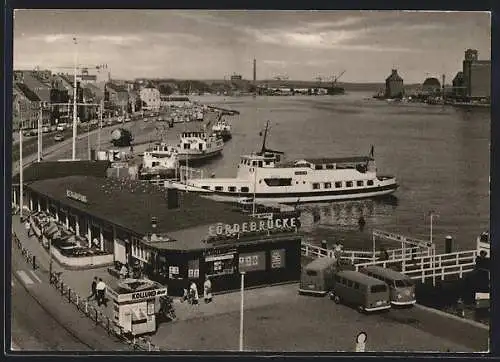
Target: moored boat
pixel 266 177
pixel 222 129
pixel 198 146
pixel 160 162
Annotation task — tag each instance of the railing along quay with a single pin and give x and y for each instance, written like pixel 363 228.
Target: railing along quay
pixel 91 311
pixel 358 256
pixel 433 266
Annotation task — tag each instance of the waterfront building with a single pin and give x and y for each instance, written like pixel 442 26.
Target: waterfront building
pixel 171 236
pixel 459 89
pixel 116 97
pixel 431 86
pixel 394 87
pixel 150 98
pixel 477 75
pixel 38 82
pixel 174 101
pixel 25 107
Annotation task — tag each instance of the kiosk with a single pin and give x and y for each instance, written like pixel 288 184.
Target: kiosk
pixel 135 304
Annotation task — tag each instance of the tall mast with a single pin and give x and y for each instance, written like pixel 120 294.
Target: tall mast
pixel 264 139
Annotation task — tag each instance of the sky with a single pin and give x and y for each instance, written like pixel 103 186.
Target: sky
pixel 204 44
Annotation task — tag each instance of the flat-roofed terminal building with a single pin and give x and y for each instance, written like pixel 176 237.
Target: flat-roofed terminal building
pixel 174 237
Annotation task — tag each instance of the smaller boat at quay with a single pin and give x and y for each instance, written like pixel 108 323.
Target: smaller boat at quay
pixel 222 129
pixel 162 161
pixel 266 177
pixel 198 146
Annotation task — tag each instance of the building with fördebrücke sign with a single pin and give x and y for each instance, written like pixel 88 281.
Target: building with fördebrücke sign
pixel 173 238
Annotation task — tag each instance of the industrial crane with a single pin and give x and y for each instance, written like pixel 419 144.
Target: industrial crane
pixel 335 78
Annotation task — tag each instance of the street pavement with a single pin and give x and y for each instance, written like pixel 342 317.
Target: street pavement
pixel 65 326
pixel 278 319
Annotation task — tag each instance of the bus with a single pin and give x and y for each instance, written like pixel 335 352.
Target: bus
pixel 367 294
pixel 401 288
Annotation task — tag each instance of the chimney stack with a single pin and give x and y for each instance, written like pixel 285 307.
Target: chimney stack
pixel 254 71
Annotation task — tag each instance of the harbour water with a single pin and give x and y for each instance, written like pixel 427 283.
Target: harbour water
pixel 439 154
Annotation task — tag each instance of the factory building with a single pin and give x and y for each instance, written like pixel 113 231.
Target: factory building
pixel 394 85
pixel 476 75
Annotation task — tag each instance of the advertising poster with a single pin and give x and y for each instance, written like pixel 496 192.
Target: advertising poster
pixel 252 261
pixel 278 258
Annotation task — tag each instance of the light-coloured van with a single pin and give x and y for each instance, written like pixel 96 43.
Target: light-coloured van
pixel 401 288
pixel 317 276
pixel 367 294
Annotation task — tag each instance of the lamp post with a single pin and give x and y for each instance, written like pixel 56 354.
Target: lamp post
pixel 39 153
pixel 21 171
pixel 432 214
pixel 74 103
pixel 241 309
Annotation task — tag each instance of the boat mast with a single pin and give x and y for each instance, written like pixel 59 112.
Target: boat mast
pixel 264 139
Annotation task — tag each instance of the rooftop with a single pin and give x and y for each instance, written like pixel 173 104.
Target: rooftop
pixel 337 160
pixel 116 88
pixel 55 169
pixel 131 204
pixel 28 93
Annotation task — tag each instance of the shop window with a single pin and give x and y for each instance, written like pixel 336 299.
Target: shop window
pixel 194 268
pixel 173 272
pixel 369 182
pixel 244 189
pixel 348 184
pixel 328 185
pixel 338 184
pixel 315 186
pixel 359 183
pixel 220 264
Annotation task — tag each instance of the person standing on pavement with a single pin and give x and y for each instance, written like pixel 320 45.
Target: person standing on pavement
pixel 93 289
pixel 101 288
pixel 194 293
pixel 207 290
pixel 27 226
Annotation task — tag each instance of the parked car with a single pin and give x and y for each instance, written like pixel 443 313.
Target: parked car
pixel 94 122
pixel 53 128
pixel 45 129
pixel 58 138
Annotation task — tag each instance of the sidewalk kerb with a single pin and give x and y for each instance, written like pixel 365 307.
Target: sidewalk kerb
pixel 452 316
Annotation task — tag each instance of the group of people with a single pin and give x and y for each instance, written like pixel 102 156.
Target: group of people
pixel 191 294
pixel 98 291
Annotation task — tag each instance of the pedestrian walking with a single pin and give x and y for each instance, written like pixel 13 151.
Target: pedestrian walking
pixel 123 272
pixel 27 226
pixel 93 289
pixel 101 288
pixel 207 290
pixel 194 293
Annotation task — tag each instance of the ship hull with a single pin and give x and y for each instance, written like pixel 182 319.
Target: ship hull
pixel 198 157
pixel 297 197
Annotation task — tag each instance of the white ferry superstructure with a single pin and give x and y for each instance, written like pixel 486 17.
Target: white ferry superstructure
pixel 264 177
pixel 162 160
pixel 197 145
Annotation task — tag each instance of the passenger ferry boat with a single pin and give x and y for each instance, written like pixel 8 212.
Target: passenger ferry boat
pixel 162 161
pixel 198 146
pixel 222 129
pixel 264 177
